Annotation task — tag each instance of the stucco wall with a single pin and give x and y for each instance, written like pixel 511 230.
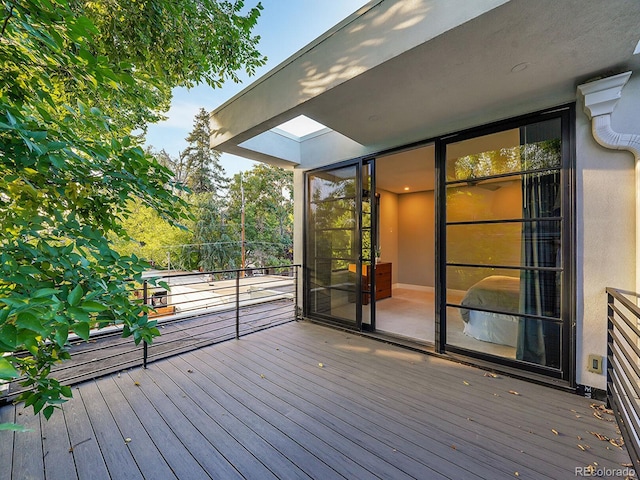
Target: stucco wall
pixel 605 221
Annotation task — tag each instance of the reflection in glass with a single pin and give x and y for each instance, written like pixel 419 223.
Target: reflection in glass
pixel 532 147
pixel 504 209
pixel 332 242
pixel 502 243
pixel 367 237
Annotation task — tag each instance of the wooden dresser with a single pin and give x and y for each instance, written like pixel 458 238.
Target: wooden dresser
pixel 383 281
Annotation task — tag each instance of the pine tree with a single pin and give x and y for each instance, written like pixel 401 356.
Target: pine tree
pixel 204 172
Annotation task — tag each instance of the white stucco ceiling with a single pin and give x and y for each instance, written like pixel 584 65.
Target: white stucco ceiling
pixel 465 77
pixel 515 58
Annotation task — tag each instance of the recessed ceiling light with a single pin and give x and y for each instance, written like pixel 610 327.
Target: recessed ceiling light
pixel 406 189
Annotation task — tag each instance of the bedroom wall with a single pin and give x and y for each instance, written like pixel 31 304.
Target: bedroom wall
pixel 389 230
pixel 416 239
pixel 480 243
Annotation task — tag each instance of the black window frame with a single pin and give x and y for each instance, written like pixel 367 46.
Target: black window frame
pixel 566 371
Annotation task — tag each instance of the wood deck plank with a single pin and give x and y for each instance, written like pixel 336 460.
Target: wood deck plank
pixel 200 437
pixel 401 432
pixel 58 461
pixel 230 418
pixel 117 455
pixel 364 426
pixel 147 456
pixel 28 458
pixel 304 459
pixel 263 407
pixel 521 407
pixel 487 384
pixel 84 448
pixel 7 415
pixel 182 462
pixel 280 417
pixel 508 423
pixel 366 450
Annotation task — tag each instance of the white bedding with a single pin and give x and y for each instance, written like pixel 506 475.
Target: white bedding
pixel 492 327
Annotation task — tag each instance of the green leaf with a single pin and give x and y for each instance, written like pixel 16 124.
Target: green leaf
pixel 79 315
pixel 75 295
pixel 82 330
pixel 31 322
pixel 62 334
pixel 15 427
pixel 92 306
pixel 7 370
pixel 45 292
pixel 48 411
pixel 66 391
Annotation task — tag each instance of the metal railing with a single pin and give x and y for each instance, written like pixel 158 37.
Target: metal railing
pixel 196 309
pixel 197 294
pixel 623 366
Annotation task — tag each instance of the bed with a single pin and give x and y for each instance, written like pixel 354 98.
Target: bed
pixel 494 292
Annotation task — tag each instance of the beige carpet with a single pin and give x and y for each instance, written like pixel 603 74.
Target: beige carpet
pixel 411 313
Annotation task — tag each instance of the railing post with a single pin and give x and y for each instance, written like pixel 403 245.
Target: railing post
pixel 145 292
pixel 238 305
pixel 610 326
pixel 145 347
pixel 295 281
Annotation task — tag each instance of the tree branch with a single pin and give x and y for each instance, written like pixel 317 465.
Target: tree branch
pixel 6 20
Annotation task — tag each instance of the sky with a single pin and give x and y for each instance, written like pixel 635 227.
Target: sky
pixel 285 26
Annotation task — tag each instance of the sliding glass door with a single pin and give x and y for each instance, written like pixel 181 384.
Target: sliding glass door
pixel 507 234
pixel 504 244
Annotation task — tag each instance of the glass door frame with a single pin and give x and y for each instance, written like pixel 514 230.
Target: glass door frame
pixel 361 165
pixel 567 174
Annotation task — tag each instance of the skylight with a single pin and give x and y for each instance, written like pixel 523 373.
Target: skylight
pixel 301 126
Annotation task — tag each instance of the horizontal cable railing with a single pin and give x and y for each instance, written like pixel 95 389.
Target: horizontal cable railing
pixel 195 309
pixel 623 366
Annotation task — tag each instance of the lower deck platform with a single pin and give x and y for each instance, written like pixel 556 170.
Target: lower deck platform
pixel 301 400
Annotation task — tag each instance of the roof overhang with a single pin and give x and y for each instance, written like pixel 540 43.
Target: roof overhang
pixel 397 72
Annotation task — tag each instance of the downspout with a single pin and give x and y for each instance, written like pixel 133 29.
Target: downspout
pixel 600 98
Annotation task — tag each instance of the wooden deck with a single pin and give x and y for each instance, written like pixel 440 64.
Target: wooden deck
pixel 108 353
pixel 306 401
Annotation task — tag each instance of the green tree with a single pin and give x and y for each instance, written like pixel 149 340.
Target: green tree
pixel 204 172
pixel 216 245
pixel 268 204
pixel 178 167
pixel 151 237
pixel 76 79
